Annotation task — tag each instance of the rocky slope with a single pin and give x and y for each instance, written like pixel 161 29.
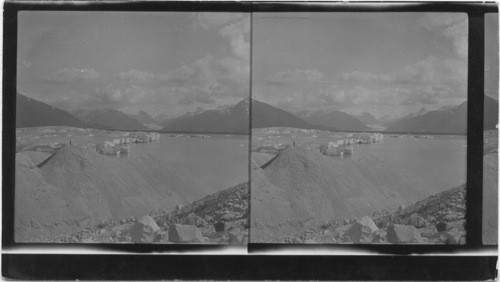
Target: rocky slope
pixel 438 219
pixel 490 187
pixel 300 188
pixel 220 218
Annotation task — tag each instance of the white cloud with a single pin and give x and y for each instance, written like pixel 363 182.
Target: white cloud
pixel 236 33
pixel 67 75
pixel 295 76
pixel 208 20
pixel 451 25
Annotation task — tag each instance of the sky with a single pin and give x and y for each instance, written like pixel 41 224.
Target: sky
pixel 163 63
pixel 384 63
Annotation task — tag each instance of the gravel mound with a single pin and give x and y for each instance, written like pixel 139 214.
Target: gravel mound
pixel 77 188
pixel 301 188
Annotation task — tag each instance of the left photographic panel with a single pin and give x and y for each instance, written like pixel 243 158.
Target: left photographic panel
pixel 132 127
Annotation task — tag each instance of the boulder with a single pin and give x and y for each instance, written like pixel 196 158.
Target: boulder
pixel 236 239
pixel 178 233
pixel 246 214
pixel 195 220
pixel 363 230
pixel 144 230
pixel 453 238
pixel 178 208
pixel 228 216
pixel 451 217
pixel 417 221
pixel 220 226
pixel 403 234
pixel 441 226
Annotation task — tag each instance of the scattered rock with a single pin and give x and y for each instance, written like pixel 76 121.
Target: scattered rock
pixel 88 241
pixel 450 217
pixel 144 230
pixel 236 239
pixel 417 221
pixel 453 238
pixel 220 226
pixel 228 217
pixel 441 226
pixel 246 214
pixel 403 234
pixel 363 230
pixel 195 220
pixel 178 233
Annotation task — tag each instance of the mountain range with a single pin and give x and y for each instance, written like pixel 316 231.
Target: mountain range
pixel 333 118
pixel 448 120
pixel 234 119
pixel 109 117
pixel 32 113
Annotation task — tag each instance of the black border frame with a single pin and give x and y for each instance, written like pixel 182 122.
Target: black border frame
pixel 252 266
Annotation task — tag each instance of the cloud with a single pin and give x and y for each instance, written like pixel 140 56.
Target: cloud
pixel 431 82
pixel 451 25
pixel 295 76
pixel 236 32
pixel 67 75
pixel 208 20
pixel 431 70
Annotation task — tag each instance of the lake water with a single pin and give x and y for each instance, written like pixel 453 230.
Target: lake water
pixel 220 161
pixel 442 161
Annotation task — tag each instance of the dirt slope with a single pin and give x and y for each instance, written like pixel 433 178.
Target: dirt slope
pixel 490 198
pixel 446 208
pixel 229 206
pixel 76 187
pixel 300 188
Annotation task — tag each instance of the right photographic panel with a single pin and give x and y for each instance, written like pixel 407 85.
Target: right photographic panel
pixel 490 152
pixel 359 128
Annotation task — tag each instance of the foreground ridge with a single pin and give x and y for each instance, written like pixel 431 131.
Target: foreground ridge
pixel 219 218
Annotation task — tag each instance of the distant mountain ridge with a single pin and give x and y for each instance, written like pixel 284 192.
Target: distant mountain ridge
pixel 33 113
pixel 265 115
pixel 333 118
pixel 226 119
pixel 143 117
pixel 367 119
pixel 111 118
pixel 490 113
pixel 447 120
pixel 451 120
pixel 235 119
